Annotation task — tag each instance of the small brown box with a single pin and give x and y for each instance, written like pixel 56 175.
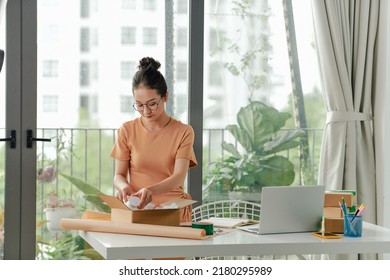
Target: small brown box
pixel 332 199
pixel 165 217
pixel 333 212
pixel 335 225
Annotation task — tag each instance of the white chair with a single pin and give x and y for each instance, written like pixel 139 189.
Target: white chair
pixel 227 209
pixel 232 209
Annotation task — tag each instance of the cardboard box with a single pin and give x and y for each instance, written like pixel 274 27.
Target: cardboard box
pixel 333 198
pixel 333 212
pixel 335 225
pixel 164 217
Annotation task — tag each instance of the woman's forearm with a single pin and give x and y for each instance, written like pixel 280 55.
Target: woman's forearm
pixel 120 182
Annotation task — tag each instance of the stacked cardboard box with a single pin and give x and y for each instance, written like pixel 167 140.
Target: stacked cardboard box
pixel 334 220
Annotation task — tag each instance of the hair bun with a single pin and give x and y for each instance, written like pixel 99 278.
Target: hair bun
pixel 148 62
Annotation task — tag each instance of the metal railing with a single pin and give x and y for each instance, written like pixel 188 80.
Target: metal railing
pixel 85 153
pixel 212 150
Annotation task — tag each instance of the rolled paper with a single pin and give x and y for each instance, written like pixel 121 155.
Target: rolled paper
pixel 96 215
pixel 133 228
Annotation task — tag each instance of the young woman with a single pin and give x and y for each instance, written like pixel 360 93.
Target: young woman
pixel 154 151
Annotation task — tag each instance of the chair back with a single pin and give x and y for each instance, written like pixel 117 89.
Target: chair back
pixel 227 209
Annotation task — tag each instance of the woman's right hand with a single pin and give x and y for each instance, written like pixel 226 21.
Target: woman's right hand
pixel 124 193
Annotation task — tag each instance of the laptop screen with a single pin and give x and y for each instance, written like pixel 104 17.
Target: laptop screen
pixel 291 209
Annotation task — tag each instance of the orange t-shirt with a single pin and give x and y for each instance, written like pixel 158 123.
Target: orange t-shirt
pixel 152 154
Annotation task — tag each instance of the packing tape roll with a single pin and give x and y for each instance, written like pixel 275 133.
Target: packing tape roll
pixel 208 227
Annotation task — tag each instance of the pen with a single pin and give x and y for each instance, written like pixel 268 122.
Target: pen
pixel 357 212
pixel 342 208
pixel 362 211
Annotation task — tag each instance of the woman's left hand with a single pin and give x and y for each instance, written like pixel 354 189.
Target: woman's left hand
pixel 145 195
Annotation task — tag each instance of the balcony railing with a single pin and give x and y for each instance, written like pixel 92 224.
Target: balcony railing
pixel 85 154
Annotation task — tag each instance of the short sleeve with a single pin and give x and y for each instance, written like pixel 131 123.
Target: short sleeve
pixel 121 149
pixel 186 149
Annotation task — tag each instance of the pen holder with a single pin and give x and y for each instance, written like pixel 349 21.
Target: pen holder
pixel 353 225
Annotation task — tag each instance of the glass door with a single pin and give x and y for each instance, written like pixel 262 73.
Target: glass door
pixel 73 92
pixel 259 61
pixel 85 65
pixel 2 128
pixel 18 165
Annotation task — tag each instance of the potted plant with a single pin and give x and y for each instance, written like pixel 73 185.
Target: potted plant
pixel 55 209
pixel 256 161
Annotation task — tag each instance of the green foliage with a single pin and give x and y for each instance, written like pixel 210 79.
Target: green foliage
pixel 67 247
pixel 90 192
pixel 257 164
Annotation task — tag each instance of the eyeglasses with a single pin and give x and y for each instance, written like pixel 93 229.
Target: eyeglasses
pixel 151 105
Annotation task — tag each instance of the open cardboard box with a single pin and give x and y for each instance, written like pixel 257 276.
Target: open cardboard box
pixel 165 217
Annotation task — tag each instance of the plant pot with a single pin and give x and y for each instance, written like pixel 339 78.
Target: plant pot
pixel 54 216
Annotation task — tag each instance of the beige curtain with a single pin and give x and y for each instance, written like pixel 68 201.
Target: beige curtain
pixel 346 32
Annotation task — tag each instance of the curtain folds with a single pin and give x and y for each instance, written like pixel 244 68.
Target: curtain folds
pixel 346 33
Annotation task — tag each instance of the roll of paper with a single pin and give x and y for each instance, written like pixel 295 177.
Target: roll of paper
pixel 133 228
pixel 96 215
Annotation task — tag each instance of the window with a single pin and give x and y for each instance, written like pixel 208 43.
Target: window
pixel 129 4
pixel 89 103
pixel 128 69
pixel 231 73
pixel 84 39
pixel 84 8
pixel 50 68
pixel 149 36
pixel 50 103
pixel 99 46
pixel 247 59
pixel 150 5
pixel 84 73
pixel 128 35
pixel 126 103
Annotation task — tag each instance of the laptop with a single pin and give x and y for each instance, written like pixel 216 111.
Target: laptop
pixel 288 209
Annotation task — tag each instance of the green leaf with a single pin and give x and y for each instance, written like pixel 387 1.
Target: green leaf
pixel 231 149
pixel 241 135
pixel 89 191
pixel 283 142
pixel 276 171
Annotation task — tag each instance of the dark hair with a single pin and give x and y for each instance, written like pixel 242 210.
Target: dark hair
pixel 149 76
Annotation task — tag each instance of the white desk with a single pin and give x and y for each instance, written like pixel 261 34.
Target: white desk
pixel 375 239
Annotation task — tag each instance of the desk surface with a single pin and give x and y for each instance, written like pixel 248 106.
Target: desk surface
pixel 375 239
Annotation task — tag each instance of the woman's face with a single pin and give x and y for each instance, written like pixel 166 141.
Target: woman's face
pixel 149 103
